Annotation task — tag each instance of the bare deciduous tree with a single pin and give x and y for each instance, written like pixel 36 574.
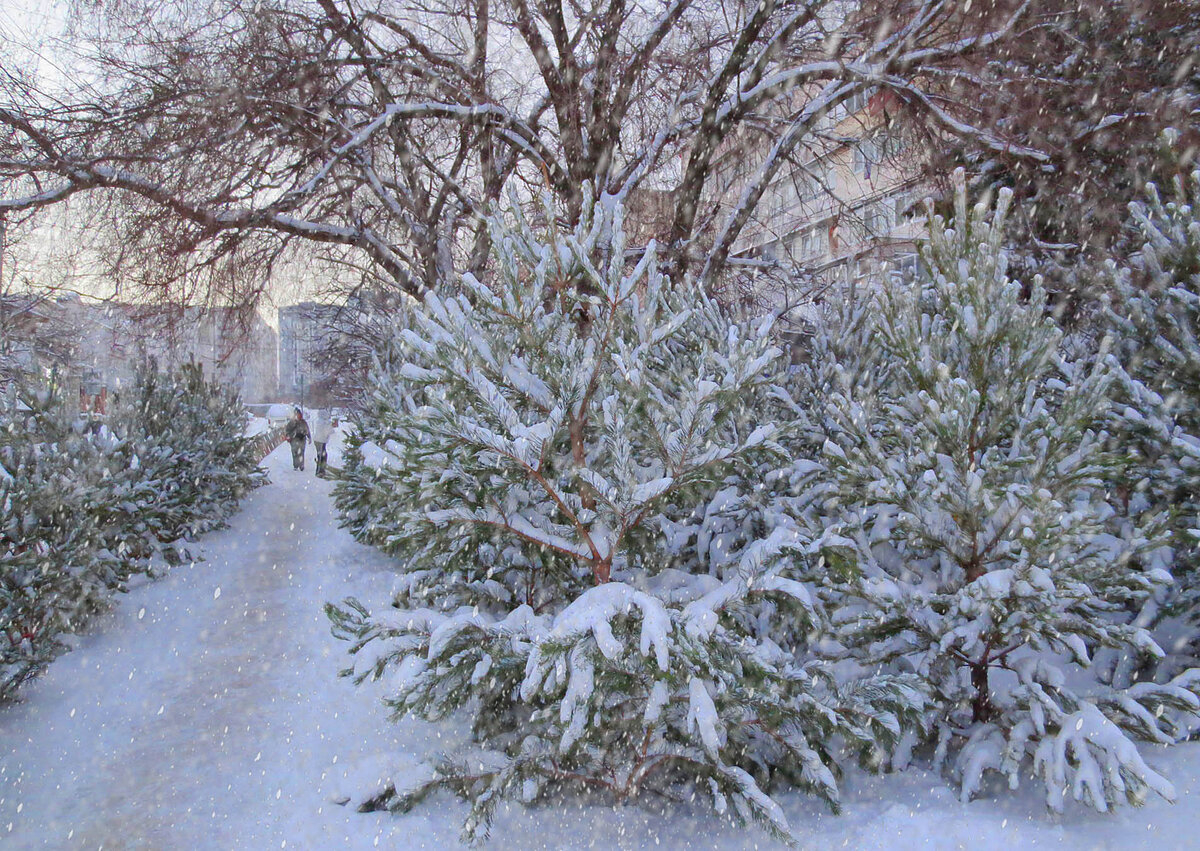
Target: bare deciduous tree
pixel 1092 84
pixel 217 141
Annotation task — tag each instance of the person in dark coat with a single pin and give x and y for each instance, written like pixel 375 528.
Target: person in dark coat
pixel 296 433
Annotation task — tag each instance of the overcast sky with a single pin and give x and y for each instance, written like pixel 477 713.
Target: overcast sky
pixel 27 28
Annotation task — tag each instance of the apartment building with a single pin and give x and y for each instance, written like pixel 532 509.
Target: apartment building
pixel 305 330
pixel 238 348
pixel 838 212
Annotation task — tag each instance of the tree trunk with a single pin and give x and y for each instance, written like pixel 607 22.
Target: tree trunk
pixel 981 706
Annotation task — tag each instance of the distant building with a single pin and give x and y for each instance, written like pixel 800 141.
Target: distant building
pixel 305 330
pixel 241 350
pixel 32 341
pixel 113 339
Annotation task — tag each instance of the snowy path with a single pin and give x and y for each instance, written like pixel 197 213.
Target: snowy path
pixel 205 713
pixel 200 713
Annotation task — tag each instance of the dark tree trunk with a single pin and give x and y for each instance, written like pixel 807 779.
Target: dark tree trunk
pixel 981 706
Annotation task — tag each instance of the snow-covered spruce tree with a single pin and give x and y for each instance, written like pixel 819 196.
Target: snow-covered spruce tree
pixel 54 571
pixel 1155 315
pixel 969 541
pixel 837 352
pixel 180 463
pixel 553 463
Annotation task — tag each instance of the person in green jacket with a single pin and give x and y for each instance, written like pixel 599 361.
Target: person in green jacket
pixel 296 433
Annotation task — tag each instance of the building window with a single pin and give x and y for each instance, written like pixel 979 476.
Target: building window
pixel 892 145
pixel 808 244
pixel 876 219
pixel 907 266
pixel 858 101
pixel 813 182
pixel 785 197
pixel 866 154
pixel 906 207
pixel 873 150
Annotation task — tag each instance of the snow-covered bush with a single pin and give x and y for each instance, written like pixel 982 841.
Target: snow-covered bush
pixel 180 461
pixel 965 529
pixel 578 473
pixel 1155 315
pixel 54 571
pixel 83 511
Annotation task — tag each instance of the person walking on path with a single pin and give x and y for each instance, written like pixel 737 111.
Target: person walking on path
pixel 322 429
pixel 297 435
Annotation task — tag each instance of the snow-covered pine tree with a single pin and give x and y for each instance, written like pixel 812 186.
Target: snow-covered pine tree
pixel 54 571
pixel 82 511
pixel 563 464
pixel 363 491
pixel 1155 315
pixel 835 351
pixel 966 537
pixel 180 463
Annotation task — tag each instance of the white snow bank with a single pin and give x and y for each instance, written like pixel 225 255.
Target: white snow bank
pixel 256 426
pixel 379 457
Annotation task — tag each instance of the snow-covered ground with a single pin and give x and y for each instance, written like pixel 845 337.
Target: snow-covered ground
pixel 205 712
pixel 256 426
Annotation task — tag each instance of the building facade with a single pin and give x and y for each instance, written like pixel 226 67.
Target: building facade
pixel 239 349
pixel 305 331
pixel 843 210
